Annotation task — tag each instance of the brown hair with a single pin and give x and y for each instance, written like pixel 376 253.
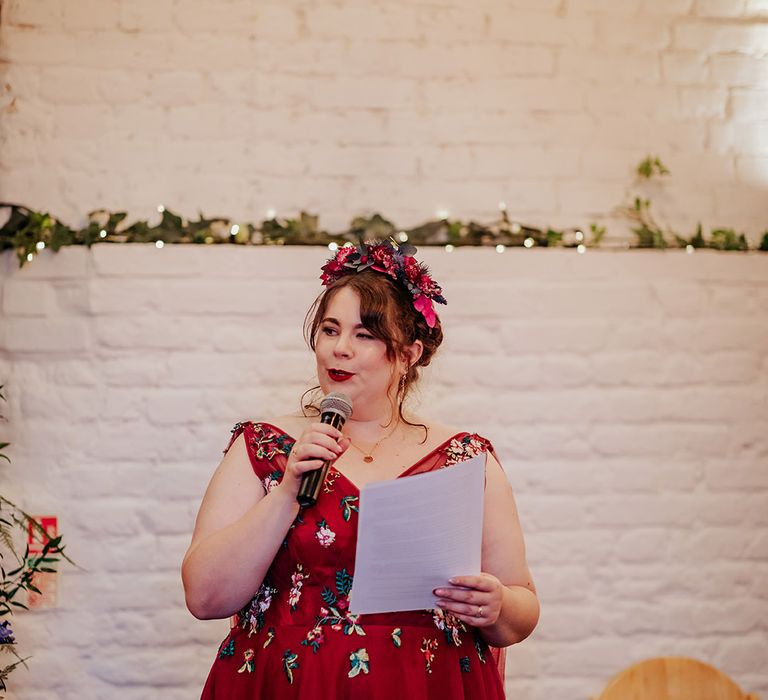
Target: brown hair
pixel 387 312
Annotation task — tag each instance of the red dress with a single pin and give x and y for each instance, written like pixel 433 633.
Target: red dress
pixel 296 638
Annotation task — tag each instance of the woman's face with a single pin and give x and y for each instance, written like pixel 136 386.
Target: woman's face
pixel 349 358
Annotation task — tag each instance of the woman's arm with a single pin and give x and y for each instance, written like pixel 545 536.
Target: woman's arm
pixel 239 528
pixel 237 534
pixel 504 593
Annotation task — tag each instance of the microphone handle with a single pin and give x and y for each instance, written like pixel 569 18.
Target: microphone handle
pixel 311 482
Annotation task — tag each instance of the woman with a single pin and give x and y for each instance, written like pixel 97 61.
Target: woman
pixel 289 572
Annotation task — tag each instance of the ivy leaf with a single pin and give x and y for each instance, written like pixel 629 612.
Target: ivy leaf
pixel 328 596
pixel 343 582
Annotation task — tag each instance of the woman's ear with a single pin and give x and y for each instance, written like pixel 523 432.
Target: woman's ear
pixel 414 352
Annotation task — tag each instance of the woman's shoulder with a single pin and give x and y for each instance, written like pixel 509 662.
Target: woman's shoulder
pixel 442 432
pixel 290 424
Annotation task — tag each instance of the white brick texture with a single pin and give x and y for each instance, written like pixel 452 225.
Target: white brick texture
pixel 625 392
pixel 236 107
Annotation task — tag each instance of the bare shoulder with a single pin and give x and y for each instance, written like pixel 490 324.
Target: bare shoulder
pixel 291 423
pixel 438 432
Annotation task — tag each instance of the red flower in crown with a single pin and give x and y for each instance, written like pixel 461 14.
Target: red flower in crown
pixel 335 267
pixel 395 261
pixel 384 261
pixel 411 268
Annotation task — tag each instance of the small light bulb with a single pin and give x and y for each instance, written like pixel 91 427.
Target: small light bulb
pixel 500 248
pixel 40 245
pixel 449 248
pixel 349 244
pixel 234 230
pixel 579 236
pixel 159 244
pixel 103 233
pixel 402 236
pixel 442 214
pixel 209 239
pixel 271 214
pixel 528 242
pixel 502 206
pixel 160 208
pixel 581 249
pixel 515 228
pixel 333 246
pixel 689 249
pixel 30 257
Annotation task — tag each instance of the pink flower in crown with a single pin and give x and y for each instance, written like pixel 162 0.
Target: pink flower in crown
pixel 425 307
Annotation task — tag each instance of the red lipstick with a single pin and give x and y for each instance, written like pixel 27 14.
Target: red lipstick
pixel 339 375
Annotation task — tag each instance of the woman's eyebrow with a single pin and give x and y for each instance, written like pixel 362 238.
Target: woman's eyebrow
pixel 330 319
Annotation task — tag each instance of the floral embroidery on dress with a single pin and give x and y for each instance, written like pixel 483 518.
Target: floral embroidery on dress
pixel 428 647
pixel 266 443
pixel 396 634
pixel 464 664
pixel 248 655
pixel 479 647
pixel 347 505
pixel 290 663
pixel 270 637
pixel 272 480
pixel 315 638
pixel 337 613
pixel 464 448
pixel 330 480
pixel 325 536
pixel 228 650
pixel 297 581
pixel 253 613
pixel 450 625
pixel 359 662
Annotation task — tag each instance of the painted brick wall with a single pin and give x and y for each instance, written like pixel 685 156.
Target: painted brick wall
pixel 235 107
pixel 626 394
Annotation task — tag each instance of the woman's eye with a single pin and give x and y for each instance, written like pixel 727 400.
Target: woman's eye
pixel 328 330
pixel 365 335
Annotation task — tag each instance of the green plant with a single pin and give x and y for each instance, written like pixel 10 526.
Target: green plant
pixel 650 234
pixel 14 520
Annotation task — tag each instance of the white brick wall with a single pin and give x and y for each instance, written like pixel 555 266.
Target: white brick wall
pixel 626 393
pixel 235 107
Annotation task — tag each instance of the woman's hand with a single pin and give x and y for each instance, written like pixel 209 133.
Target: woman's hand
pixel 477 602
pixel 318 443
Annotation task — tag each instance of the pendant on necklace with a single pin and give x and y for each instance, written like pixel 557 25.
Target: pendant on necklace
pixel 368 459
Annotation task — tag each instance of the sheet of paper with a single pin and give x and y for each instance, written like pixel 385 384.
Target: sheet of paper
pixel 414 533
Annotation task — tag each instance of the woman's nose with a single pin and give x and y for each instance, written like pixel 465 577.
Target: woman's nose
pixel 343 347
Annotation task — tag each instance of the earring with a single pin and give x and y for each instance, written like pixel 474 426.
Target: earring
pixel 401 388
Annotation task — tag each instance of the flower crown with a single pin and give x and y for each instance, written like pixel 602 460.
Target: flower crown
pixel 395 261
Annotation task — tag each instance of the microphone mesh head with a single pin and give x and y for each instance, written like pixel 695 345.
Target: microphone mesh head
pixel 338 403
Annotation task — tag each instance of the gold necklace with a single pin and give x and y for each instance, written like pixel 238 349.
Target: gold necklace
pixel 368 456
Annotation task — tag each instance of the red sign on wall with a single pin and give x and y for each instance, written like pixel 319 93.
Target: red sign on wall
pixel 45 581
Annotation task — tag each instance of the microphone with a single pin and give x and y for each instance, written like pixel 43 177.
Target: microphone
pixel 335 408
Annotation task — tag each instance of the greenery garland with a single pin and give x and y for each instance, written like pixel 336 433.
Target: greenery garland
pixel 27 231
